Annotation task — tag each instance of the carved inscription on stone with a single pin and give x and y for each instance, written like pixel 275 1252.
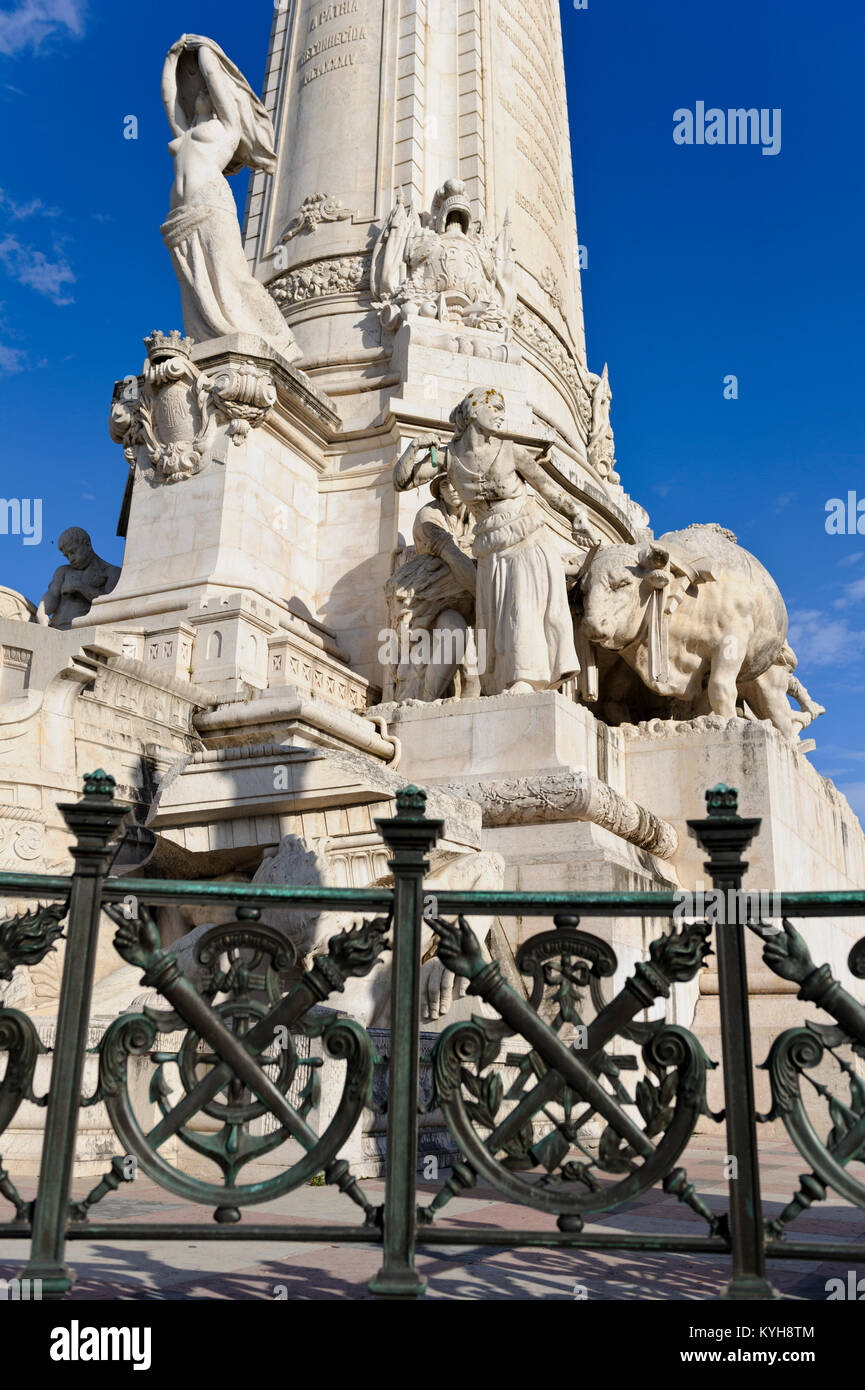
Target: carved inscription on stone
pixel 536 108
pixel 332 43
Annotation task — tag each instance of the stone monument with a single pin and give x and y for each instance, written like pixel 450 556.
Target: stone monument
pixel 376 531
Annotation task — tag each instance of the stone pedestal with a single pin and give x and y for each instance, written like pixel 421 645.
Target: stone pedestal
pixel 552 784
pixel 809 840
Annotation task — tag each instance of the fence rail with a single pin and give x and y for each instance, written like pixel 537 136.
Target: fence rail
pixel 569 1138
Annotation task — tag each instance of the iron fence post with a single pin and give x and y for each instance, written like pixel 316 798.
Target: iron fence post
pixel 409 836
pixel 93 821
pixel 725 835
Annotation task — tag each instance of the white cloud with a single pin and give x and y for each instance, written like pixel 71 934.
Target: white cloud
pixel 33 268
pixel 19 211
pixel 11 360
pixel 853 559
pixel 820 638
pixel 31 22
pixel 852 593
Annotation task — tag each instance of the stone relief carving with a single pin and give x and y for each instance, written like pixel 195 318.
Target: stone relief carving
pixel 135 689
pixel 483 345
pixel 313 862
pixel 289 663
pixel 549 344
pixel 76 584
pixel 15 605
pixel 553 288
pixel 601 448
pixel 219 127
pixel 170 415
pixel 22 835
pixel 244 395
pixel 333 275
pixel 16 664
pixel 444 265
pixel 563 796
pixel 173 416
pixel 315 209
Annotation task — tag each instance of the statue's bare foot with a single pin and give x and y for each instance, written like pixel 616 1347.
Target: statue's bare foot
pixel 520 688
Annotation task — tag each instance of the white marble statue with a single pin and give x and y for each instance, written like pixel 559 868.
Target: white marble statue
pixel 433 593
pixel 601 445
pixel 700 620
pixel 219 127
pixel 521 599
pixel 76 584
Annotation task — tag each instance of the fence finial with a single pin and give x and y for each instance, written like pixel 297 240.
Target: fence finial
pixel 722 800
pixel 99 783
pixel 411 803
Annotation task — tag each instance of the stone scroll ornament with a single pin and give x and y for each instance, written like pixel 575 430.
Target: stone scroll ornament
pixel 798 1052
pixel 220 127
pixel 568 1078
pixel 237 1059
pixel 315 209
pixel 173 413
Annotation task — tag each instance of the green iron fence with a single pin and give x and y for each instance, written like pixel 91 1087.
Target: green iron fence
pixel 232 1072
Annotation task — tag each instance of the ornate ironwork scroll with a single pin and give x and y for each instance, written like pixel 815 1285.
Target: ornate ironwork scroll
pixel 539 1096
pixel 236 1060
pixel 569 1078
pixel 24 940
pixel 799 1051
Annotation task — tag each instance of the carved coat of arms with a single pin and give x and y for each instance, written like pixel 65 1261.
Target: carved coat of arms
pixel 173 410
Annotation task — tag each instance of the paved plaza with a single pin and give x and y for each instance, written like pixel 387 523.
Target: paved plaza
pixel 315 1269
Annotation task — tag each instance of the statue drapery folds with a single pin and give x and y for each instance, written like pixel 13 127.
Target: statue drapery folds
pixel 220 127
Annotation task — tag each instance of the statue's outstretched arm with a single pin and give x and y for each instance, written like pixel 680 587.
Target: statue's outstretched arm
pixel 530 469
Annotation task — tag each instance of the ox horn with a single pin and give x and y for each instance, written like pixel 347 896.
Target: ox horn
pixel 654 557
pixel 587 562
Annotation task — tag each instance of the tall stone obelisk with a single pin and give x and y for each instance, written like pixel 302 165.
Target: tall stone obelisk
pixel 371 99
pixel 420 237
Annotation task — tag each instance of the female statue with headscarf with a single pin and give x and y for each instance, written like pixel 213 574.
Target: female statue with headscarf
pixel 521 593
pixel 219 127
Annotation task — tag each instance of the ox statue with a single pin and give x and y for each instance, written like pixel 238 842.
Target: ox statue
pixel 700 621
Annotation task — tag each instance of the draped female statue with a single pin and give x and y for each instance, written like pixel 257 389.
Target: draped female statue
pixel 521 590
pixel 219 127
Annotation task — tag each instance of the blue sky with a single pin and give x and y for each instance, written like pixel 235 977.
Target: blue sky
pixel 703 261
